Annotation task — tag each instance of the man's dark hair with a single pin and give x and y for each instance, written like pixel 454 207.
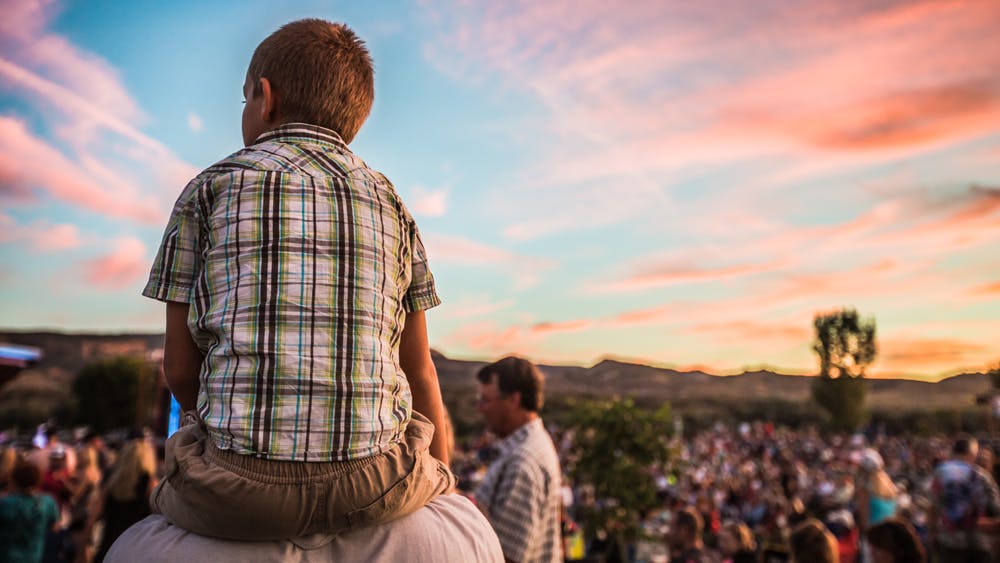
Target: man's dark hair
pixel 689 519
pixel 964 445
pixel 515 374
pixel 321 73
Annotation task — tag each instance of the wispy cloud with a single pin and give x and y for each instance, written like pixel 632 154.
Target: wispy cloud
pixel 526 271
pixel 126 264
pixel 194 122
pixel 428 202
pixel 29 165
pixel 901 353
pixel 40 235
pixel 100 149
pixel 639 94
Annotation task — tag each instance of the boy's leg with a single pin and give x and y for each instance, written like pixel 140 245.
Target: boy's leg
pixel 395 484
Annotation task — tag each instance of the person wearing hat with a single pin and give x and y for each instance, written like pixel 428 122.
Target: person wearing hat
pixel 876 494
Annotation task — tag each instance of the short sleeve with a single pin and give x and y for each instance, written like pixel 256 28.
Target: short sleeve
pixel 177 262
pixel 422 294
pixel 515 511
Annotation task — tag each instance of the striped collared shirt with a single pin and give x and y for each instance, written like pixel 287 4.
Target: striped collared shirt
pixel 520 495
pixel 299 263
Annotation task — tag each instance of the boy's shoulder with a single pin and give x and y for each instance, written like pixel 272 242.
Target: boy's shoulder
pixel 295 156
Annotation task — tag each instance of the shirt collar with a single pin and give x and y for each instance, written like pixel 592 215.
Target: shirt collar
pixel 291 132
pixel 518 436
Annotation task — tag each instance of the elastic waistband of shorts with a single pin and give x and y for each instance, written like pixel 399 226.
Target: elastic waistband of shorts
pixel 277 470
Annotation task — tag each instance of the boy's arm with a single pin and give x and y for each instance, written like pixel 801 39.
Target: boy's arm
pixel 181 357
pixel 415 360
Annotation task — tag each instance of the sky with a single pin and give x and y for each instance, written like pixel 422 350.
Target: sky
pixel 685 184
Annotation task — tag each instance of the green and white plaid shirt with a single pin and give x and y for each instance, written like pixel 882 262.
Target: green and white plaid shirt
pixel 299 263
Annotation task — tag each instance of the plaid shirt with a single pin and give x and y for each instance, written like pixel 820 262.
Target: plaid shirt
pixel 521 496
pixel 299 263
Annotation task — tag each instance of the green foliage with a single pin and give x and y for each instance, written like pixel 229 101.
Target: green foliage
pixel 845 343
pixel 114 393
pixel 617 450
pixel 843 399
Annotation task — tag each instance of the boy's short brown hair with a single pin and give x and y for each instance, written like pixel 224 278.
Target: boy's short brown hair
pixel 321 73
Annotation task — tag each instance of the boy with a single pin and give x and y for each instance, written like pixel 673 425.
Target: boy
pixel 295 282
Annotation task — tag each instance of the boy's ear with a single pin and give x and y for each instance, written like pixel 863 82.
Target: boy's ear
pixel 269 105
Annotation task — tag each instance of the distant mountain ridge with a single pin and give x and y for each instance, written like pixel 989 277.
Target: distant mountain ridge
pixel 67 353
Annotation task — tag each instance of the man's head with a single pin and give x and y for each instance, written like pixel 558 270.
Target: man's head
pixel 966 448
pixel 309 71
pixel 93 440
pixel 685 533
pixel 812 542
pixel 511 392
pixel 26 476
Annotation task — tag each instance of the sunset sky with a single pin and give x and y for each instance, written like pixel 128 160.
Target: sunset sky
pixel 680 183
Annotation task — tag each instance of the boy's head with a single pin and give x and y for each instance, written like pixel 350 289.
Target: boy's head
pixel 309 71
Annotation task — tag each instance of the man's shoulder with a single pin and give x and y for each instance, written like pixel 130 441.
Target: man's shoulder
pixel 450 528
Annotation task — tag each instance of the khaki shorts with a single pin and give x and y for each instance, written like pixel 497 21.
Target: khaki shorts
pixel 218 493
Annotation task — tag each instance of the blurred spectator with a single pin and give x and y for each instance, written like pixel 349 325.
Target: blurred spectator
pixel 736 543
pixel 41 456
pixel 811 542
pixel 127 490
pixel 26 515
pixel 8 456
pixel 895 541
pixel 876 494
pixel 685 538
pixel 963 493
pixel 85 504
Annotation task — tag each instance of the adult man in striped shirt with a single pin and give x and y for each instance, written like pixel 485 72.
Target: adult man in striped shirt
pixel 520 494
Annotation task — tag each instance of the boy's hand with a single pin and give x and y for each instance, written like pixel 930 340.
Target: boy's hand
pixel 181 357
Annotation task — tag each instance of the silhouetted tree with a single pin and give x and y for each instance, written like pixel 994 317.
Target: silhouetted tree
pixel 618 449
pixel 994 375
pixel 845 344
pixel 114 393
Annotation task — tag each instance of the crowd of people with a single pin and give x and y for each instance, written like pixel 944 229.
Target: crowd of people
pixel 749 493
pixel 760 493
pixel 68 501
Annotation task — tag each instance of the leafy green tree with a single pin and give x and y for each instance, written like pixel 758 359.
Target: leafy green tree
pixel 618 450
pixel 845 345
pixel 115 393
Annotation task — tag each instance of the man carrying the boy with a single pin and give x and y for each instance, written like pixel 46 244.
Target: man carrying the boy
pixel 296 284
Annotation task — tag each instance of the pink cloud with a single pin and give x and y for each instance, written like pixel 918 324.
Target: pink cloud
pixel 653 89
pixel 126 264
pixel 28 163
pixel 561 327
pixel 990 289
pixel 58 237
pixel 679 273
pixel 930 354
pixel 428 202
pixel 92 115
pixel 455 250
pixel 746 330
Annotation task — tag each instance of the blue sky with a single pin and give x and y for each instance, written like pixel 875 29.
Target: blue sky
pixel 682 184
